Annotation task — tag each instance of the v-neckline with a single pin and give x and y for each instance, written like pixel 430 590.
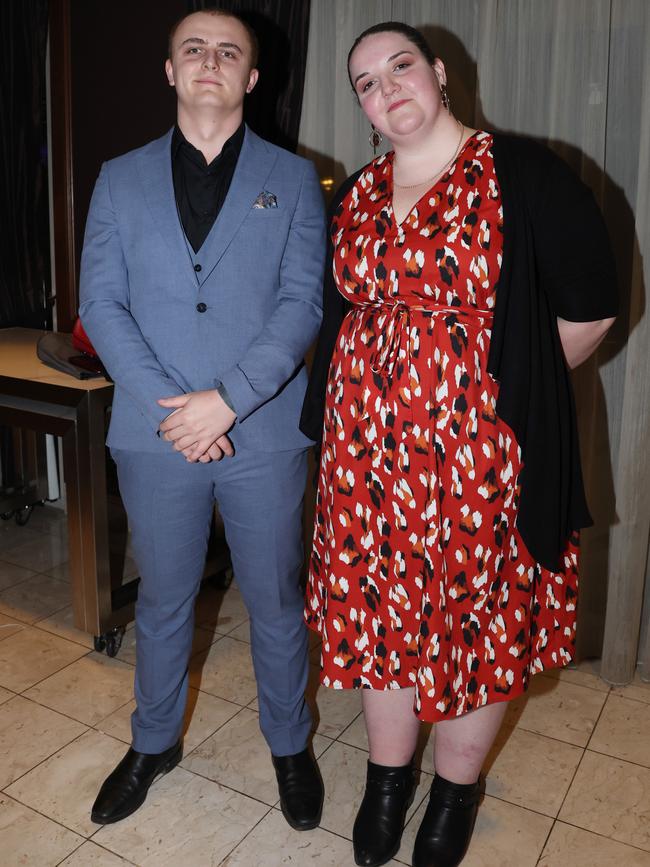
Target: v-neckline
pixel 444 176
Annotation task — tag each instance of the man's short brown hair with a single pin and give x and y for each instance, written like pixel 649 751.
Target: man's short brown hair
pixel 216 10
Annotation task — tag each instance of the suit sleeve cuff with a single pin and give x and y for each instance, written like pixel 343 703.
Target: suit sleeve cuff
pixel 225 397
pixel 243 398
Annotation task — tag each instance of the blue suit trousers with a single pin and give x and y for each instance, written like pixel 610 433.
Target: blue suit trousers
pixel 170 503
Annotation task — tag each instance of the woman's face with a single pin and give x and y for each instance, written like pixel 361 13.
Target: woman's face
pixel 397 88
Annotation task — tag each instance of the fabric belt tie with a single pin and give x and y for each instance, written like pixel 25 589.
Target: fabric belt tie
pixel 397 328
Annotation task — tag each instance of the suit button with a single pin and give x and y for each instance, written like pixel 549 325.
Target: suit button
pixel 201 307
pixel 197 268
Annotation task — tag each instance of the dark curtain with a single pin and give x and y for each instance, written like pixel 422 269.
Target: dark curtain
pixel 24 209
pixel 282 27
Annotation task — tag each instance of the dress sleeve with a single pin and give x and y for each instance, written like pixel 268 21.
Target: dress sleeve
pixel 334 309
pixel 573 253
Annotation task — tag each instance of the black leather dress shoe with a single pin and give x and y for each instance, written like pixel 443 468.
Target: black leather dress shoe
pixel 380 821
pixel 448 823
pixel 301 789
pixel 126 788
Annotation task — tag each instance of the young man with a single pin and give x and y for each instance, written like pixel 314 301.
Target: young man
pixel 201 290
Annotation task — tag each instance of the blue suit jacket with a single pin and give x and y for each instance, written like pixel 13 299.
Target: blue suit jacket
pixel 260 281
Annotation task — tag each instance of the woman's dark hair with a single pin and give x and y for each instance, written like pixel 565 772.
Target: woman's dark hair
pixel 413 35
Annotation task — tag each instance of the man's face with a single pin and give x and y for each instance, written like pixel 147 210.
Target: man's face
pixel 210 66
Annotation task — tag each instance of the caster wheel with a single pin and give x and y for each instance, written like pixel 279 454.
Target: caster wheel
pixel 114 641
pixel 110 641
pixel 23 515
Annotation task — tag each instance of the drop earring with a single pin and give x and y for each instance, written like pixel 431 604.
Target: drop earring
pixel 444 97
pixel 375 139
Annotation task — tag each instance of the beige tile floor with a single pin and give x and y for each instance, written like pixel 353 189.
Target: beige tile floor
pixel 568 780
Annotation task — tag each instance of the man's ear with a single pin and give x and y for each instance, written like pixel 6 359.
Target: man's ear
pixel 169 72
pixel 252 79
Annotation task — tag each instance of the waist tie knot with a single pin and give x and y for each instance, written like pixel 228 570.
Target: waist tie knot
pixel 394 329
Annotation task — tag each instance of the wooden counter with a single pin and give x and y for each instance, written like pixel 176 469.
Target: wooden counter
pixel 39 398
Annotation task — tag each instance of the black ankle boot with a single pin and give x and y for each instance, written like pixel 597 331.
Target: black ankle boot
pixel 380 821
pixel 446 829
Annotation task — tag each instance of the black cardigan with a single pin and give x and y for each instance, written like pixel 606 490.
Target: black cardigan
pixel 557 261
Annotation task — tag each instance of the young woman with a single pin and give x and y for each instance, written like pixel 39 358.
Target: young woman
pixel 470 271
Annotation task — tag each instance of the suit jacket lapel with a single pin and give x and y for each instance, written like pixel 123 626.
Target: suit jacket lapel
pixel 155 168
pixel 253 168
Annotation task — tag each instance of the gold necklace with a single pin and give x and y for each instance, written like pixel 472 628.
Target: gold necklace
pixel 440 170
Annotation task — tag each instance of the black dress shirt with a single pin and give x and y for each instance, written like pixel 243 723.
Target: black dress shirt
pixel 201 189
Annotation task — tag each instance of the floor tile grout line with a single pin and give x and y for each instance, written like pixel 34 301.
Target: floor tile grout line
pixel 338 737
pixel 40 812
pixel 223 698
pixel 545 843
pixel 602 711
pixel 117 709
pixel 67 827
pixel 517 725
pixel 617 758
pixel 582 757
pixel 89 840
pixel 21 580
pixel 557 679
pixel 64 713
pixel 487 794
pixel 104 718
pixel 521 807
pixel 228 786
pixel 550 737
pixel 50 634
pixel 47 707
pixel 29 569
pixel 513 727
pixel 332 741
pixel 34 623
pixel 276 808
pixel 244 794
pixel 42 762
pixel 617 695
pixel 56 671
pixel 84 839
pixel 212 734
pixel 94 726
pixel 58 611
pixel 247 834
pixel 604 836
pixel 548 837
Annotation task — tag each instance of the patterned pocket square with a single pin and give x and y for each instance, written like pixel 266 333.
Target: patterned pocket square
pixel 265 200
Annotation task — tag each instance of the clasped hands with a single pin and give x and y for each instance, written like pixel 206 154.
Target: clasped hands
pixel 198 424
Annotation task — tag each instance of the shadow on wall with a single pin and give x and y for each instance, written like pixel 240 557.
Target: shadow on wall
pixel 273 108
pixel 263 109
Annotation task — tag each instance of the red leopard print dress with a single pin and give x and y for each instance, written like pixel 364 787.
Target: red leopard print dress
pixel 418 575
